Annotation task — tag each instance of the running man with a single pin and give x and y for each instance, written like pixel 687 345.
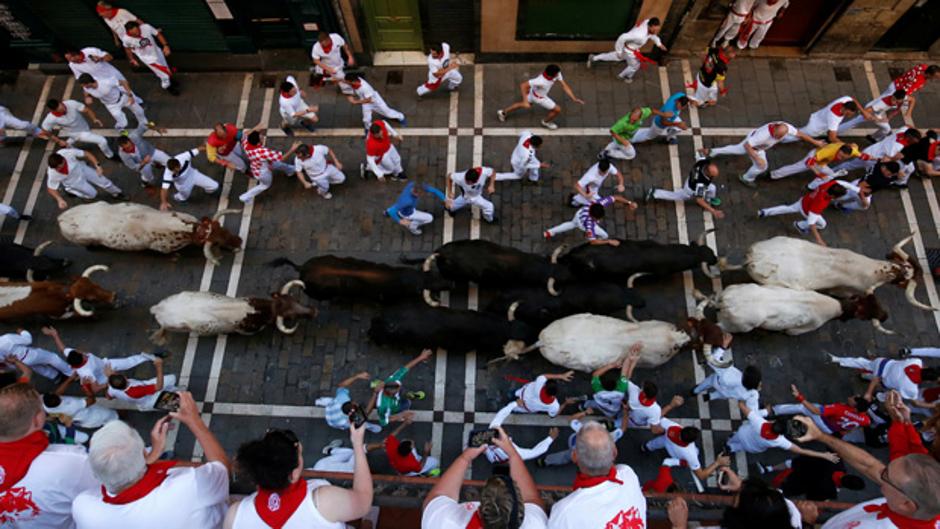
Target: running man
pixel 588 218
pixel 317 166
pixel 524 162
pixel 67 169
pixel 442 70
pixel 700 186
pixel 405 209
pixel 728 31
pixel 763 16
pixel 181 174
pixel 623 131
pixel 8 120
pixel 224 147
pixel 666 126
pixel 363 94
pixel 140 45
pixel 115 95
pixel 811 206
pixel 912 81
pixel 883 108
pixel 295 112
pixel 827 120
pixel 472 183
pixel 140 156
pixel 756 144
pixel 67 116
pixel 628 45
pixel 587 188
pixel 382 157
pixel 709 82
pixel 327 56
pixel 818 160
pixel 536 91
pixel 263 161
pixel 93 61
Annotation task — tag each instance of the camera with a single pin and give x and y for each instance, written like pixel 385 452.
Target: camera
pixel 357 417
pixel 795 429
pixel 482 437
pixel 167 401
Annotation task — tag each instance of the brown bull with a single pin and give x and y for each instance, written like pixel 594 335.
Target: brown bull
pixel 52 299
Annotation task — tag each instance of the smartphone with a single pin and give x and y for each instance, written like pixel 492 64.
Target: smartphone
pixel 482 437
pixel 167 401
pixel 357 417
pixel 723 479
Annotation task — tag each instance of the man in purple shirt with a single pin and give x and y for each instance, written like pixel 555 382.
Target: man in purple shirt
pixel 587 219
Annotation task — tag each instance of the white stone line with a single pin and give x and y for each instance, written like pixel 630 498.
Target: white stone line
pixel 40 176
pixel 909 212
pixel 24 150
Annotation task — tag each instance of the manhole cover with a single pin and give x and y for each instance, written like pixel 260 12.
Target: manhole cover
pixel 842 73
pixel 394 77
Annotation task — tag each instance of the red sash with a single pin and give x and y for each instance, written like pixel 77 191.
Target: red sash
pixel 902 522
pixel 17 456
pixel 276 507
pixel 156 474
pixel 138 392
pixel 584 482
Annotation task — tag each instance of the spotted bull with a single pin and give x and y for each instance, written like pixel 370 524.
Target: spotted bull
pixel 52 299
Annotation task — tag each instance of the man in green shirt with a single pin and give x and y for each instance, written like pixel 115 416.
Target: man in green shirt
pixel 388 401
pixel 623 130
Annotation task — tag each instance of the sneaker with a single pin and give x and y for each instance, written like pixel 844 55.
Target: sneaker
pixel 644 449
pixel 375 383
pixel 494 220
pixel 763 469
pixel 25 218
pixel 761 214
pixel 649 194
pixel 434 473
pixel 569 199
pixel 832 358
pixel 501 115
pixel 288 131
pixel 310 127
pixel 400 177
pixel 589 61
pixel 796 224
pixel 415 395
pixel 549 125
pixel 714 201
pixel 449 212
pixel 627 80
pixel 540 462
pixel 706 397
pixel 871 138
pixel 362 171
pixel 603 155
pixel 904 352
pixel 327 195
pixel 416 231
pixel 672 141
pixel 748 183
pixel 161 353
pixel 120 196
pixel 547 235
pixel 335 443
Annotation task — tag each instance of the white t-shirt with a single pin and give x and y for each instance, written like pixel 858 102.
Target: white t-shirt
pixel 831 114
pixel 887 147
pixel 748 435
pixel 188 498
pixel 642 416
pixel 186 167
pixel 99 70
pixel 523 156
pixel 145 46
pixel 444 513
pixel 291 105
pixel 540 85
pixel 305 517
pixel 762 137
pixel 729 384
pixel 43 498
pixel 315 165
pixel 636 38
pixel 365 91
pixel 333 59
pixel 475 189
pixel 436 64
pixel 894 377
pixel 764 12
pixel 688 453
pixel 592 180
pixel 108 91
pixel 71 121
pixel 858 518
pixel 82 414
pixel 605 505
pixel 71 178
pixel 117 22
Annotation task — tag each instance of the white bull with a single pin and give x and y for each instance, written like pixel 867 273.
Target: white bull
pixel 802 265
pixel 136 227
pixel 208 313
pixel 743 308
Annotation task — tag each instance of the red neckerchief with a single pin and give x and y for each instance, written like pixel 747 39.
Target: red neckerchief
pixel 545 397
pixel 837 478
pixel 545 75
pixel 286 95
pixel 276 507
pixel 767 431
pixel 913 372
pixel 646 401
pixel 673 433
pixel 901 521
pixel 328 47
pixel 476 522
pixel 526 144
pixel 81 57
pixel 106 12
pixel 837 109
pixel 585 482
pixel 155 475
pixel 133 148
pixel 770 129
pixel 57 114
pixel 17 456
pixel 65 170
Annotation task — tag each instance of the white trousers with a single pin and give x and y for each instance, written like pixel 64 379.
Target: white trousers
pixel 8 211
pixel 758 32
pixel 450 81
pixel 633 64
pixel 738 149
pixel 331 175
pixel 89 137
pixel 799 409
pixel 380 107
pixel 729 28
pixel 85 188
pixel 194 178
pixel 518 173
pixel 265 179
pixel 799 167
pixel 8 120
pixel 418 219
pixel 120 118
pixel 496 455
pixel 575 223
pixel 160 68
pixel 46 363
pixel 704 94
pixel 341 459
pixel 884 128
pixel 684 193
pixel 390 163
pixel 658 443
pixel 617 150
pixel 926 352
pixel 654 131
pixel 486 207
pixel 796 207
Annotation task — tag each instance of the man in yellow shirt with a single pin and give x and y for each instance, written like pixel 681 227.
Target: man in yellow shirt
pixel 818 161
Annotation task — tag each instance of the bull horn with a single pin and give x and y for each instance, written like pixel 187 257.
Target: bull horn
pixel 279 321
pixel 80 309
pixel 710 359
pixel 291 284
pixel 909 293
pixel 511 313
pixel 94 268
pixel 513 350
pixel 634 277
pixel 709 272
pixel 701 238
pixel 700 308
pixel 725 266
pixel 878 327
pixel 426 267
pixel 224 212
pixel 430 300
pixel 898 247
pixel 630 314
pixel 207 250
pixel 551 287
pixel 698 295
pixel 557 253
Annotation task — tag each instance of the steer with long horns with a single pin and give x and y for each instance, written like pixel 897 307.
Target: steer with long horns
pixel 208 313
pixel 52 299
pixel 18 261
pixel 802 265
pixel 135 227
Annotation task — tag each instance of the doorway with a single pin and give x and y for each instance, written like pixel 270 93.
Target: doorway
pixel 802 22
pixel 394 24
pixel 916 30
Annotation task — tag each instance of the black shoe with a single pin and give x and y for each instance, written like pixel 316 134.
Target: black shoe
pixel 449 212
pixel 540 462
pixel 161 352
pixel 400 177
pixel 288 131
pixel 903 352
pixel 115 157
pixel 602 156
pixel 25 217
pixel 706 397
pixel 871 138
pixel 691 393
pixel 648 195
pixel 569 200
pixel 494 221
pixel 120 196
pixel 174 88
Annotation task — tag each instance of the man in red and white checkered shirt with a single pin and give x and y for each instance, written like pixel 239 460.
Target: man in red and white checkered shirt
pixel 911 82
pixel 263 161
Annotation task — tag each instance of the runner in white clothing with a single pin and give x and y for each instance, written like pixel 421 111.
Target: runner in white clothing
pixel 67 169
pixel 116 19
pixel 363 94
pixel 883 109
pixel 537 396
pixel 827 120
pixel 19 345
pixel 903 376
pixel 327 56
pixel 141 41
pixel 756 144
pixel 67 116
pixel 115 96
pixel 142 394
pixel 497 455
pixel 729 382
pixel 9 121
pixel 679 443
pixel 83 412
pixel 587 188
pixel 140 156
pixel 183 175
pixel 763 16
pixel 93 61
pixel 472 184
pixel 757 435
pixel 536 91
pixel 442 70
pixel 888 149
pixel 728 31
pixel 295 112
pixel 644 411
pixel 523 161
pixel 317 166
pixel 628 45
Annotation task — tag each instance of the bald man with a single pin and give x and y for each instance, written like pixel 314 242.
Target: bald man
pixel 756 144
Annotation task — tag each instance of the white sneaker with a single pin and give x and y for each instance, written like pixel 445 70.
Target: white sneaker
pixel 501 115
pixel 627 80
pixel 549 125
pixel 416 231
pixel 335 443
pixel 590 59
pixel 327 195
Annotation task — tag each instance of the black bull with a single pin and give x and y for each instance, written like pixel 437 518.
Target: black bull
pixel 19 262
pixel 538 308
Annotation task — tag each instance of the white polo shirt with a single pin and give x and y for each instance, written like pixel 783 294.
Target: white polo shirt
pixel 439 63
pixel 762 138
pixel 70 122
pixel 605 505
pixel 832 113
pixel 291 105
pixel 145 46
pixel 75 173
pixel 523 155
pixel 108 91
pixel 530 395
pixel 641 415
pixel 475 189
pixel 893 376
pixel 316 164
pixel 188 498
pixel 593 179
pixel 540 85
pixel 333 59
pixel 444 513
pixel 748 435
pixel 117 22
pixel 687 453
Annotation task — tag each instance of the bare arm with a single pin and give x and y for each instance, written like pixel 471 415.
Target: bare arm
pixel 810 407
pixel 815 231
pixel 720 461
pixel 339 166
pixel 809 139
pixel 567 376
pixel 65 385
pixel 603 369
pixel 158 364
pixel 51 332
pixel 188 414
pixel 424 356
pixel 337 504
pixel 567 89
pixel 58 198
pixel 676 401
pixel 450 482
pixel 364 375
pixel 518 471
pixel 828 456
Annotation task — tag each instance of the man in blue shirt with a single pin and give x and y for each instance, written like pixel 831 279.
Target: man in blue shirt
pixel 668 127
pixel 404 211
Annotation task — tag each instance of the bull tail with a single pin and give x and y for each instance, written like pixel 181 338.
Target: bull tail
pixel 283 261
pixel 513 350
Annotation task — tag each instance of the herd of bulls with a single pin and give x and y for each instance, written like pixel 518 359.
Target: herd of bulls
pixel 559 304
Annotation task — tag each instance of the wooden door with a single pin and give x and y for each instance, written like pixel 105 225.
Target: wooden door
pixel 394 24
pixel 801 21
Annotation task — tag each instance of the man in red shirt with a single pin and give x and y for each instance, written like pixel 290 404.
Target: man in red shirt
pixel 811 206
pixel 263 161
pixel 403 457
pixel 911 82
pixel 223 147
pixel 834 419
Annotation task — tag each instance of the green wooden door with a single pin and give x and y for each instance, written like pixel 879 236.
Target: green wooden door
pixel 394 24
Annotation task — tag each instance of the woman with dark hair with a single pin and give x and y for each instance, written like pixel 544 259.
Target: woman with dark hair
pixel 756 504
pixel 275 464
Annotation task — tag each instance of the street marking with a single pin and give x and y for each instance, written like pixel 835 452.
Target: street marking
pixel 24 150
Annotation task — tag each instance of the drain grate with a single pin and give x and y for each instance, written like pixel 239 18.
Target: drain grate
pixel 394 77
pixel 777 65
pixel 842 73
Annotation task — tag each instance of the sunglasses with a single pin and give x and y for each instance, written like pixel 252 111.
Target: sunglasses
pixel 289 435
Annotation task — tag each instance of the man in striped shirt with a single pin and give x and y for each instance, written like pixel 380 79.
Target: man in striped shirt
pixel 587 219
pixel 263 161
